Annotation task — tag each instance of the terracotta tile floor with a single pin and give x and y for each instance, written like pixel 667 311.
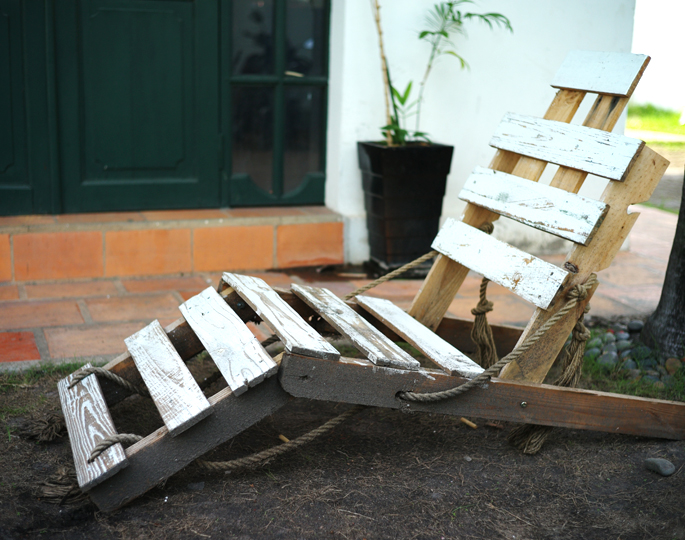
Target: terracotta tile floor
pixel 88 319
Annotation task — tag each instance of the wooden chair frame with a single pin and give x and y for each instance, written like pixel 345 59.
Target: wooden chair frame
pixel 312 371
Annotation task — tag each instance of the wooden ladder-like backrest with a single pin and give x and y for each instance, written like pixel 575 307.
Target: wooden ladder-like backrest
pixel 526 146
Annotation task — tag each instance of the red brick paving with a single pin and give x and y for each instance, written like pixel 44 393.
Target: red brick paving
pixel 18 347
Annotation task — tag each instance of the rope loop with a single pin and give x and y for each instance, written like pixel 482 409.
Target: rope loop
pixel 105 373
pixel 581 292
pixel 104 444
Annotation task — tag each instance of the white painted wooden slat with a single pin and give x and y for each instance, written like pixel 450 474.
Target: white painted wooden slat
pixel 531 278
pixel 546 208
pixel 297 336
pixel 449 358
pixel 578 147
pixel 600 72
pixel 88 423
pixel 235 350
pixel 176 395
pixel 378 348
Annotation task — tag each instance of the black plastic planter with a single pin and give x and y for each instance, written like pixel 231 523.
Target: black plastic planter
pixel 403 191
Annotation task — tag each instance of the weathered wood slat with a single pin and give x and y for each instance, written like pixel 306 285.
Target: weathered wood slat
pixel 175 393
pixel 159 455
pixel 597 255
pixel 297 336
pixel 235 350
pixel 579 147
pixel 531 278
pixel 546 208
pixel 360 382
pixel 378 348
pixel 601 72
pixel 89 422
pixel 446 276
pixel 433 346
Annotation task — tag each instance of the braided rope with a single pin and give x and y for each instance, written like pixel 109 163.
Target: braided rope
pixel 102 372
pixel 265 455
pixel 391 275
pixel 576 294
pixel 481 333
pixel 104 444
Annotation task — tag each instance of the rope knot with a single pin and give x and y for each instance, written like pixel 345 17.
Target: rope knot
pixel 482 308
pixel 487 227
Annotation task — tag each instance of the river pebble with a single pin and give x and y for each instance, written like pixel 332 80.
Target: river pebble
pixel 660 466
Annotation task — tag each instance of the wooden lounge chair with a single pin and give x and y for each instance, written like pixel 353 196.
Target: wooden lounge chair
pixel 310 367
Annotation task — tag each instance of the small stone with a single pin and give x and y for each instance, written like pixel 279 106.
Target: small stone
pixel 629 364
pixel 609 347
pixel 672 365
pixel 196 486
pixel 647 363
pixel 642 351
pixel 618 327
pixel 592 353
pixel 653 373
pixel 662 370
pixel 622 336
pixel 594 343
pixel 608 359
pixel 635 326
pixel 651 378
pixel 667 380
pixel 467 458
pixel 660 465
pixel 609 337
pixel 623 344
pixel 627 353
pixel 436 496
pixel 634 374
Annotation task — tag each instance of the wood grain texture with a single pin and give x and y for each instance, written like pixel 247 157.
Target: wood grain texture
pixel 378 348
pixel 601 72
pixel 297 336
pixel 88 423
pixel 446 276
pixel 430 344
pixel 360 382
pixel 578 147
pixel 529 277
pixel 643 177
pixel 176 395
pixel 546 208
pixel 237 353
pixel 159 455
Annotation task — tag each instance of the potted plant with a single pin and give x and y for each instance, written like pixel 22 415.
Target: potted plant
pixel 404 175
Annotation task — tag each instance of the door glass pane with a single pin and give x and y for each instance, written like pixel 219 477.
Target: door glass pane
pixel 252 136
pixel 304 134
pixel 306 37
pixel 253 37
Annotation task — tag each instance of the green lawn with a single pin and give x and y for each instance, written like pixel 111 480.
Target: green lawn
pixel 651 118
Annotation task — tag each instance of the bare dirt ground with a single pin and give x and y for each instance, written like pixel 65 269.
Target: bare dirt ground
pixel 382 474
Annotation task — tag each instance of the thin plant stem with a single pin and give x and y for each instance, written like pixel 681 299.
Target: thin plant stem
pixel 384 69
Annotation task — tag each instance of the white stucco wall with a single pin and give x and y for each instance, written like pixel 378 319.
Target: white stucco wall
pixel 508 72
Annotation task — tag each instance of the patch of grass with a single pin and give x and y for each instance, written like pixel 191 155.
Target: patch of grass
pixel 651 118
pixel 661 207
pixel 11 380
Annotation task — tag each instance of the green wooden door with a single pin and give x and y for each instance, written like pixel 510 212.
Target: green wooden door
pixel 138 88
pixel 25 161
pixel 274 94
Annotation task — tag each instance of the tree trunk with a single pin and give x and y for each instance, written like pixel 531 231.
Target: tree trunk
pixel 664 329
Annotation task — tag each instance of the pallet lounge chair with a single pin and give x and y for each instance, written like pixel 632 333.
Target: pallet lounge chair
pixel 310 367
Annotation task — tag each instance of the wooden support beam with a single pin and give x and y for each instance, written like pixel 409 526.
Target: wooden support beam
pixel 360 382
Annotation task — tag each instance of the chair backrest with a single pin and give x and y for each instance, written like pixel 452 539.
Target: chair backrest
pixel 509 187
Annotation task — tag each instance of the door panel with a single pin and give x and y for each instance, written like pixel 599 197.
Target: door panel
pixel 138 101
pixel 15 188
pixel 274 76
